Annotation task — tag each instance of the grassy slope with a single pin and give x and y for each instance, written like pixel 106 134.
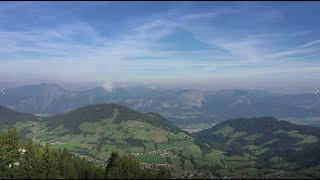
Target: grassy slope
pixel 256 143
pixel 97 130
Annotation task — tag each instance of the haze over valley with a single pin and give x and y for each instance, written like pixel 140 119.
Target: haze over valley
pixel 181 106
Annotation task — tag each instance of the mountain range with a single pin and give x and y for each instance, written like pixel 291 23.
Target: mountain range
pixel 226 104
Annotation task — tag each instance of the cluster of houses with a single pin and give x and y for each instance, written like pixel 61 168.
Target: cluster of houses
pixel 178 173
pixel 136 154
pixel 52 143
pixel 140 126
pixel 57 143
pixel 154 166
pixel 275 174
pixel 192 130
pixel 163 153
pixel 48 133
pixel 32 124
pixel 192 174
pixel 157 152
pixel 86 157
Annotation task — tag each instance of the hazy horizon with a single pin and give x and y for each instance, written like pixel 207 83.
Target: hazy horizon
pixel 111 86
pixel 271 46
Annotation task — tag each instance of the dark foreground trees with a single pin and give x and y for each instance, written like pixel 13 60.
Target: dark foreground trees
pixel 27 160
pixel 30 161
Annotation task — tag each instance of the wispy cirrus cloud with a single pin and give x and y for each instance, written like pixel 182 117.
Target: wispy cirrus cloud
pixel 226 40
pixel 302 51
pixel 309 44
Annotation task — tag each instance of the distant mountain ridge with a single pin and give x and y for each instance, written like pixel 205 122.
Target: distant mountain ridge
pixel 53 99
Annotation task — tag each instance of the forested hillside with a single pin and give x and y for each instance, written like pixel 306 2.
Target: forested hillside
pixel 273 144
pixel 240 148
pixel 9 117
pixel 117 113
pixel 27 160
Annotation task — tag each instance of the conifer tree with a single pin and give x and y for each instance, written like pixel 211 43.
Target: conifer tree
pixel 122 167
pixel 49 163
pixel 3 155
pixel 12 158
pixel 31 160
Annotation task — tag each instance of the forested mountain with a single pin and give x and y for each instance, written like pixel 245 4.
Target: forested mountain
pixel 257 147
pixel 267 138
pixel 117 113
pixel 9 117
pixel 97 130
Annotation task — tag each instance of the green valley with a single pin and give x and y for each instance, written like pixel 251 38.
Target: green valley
pixel 237 148
pixel 149 137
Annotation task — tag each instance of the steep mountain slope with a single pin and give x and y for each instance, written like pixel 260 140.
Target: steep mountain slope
pixel 43 98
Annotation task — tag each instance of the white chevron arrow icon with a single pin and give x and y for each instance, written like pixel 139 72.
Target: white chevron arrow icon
pixel 2 91
pixel 316 91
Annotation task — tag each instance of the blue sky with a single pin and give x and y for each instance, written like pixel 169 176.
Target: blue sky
pixel 210 45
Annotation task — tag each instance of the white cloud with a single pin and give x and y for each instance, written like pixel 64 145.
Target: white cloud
pixel 312 43
pixel 305 50
pixel 150 85
pixel 107 86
